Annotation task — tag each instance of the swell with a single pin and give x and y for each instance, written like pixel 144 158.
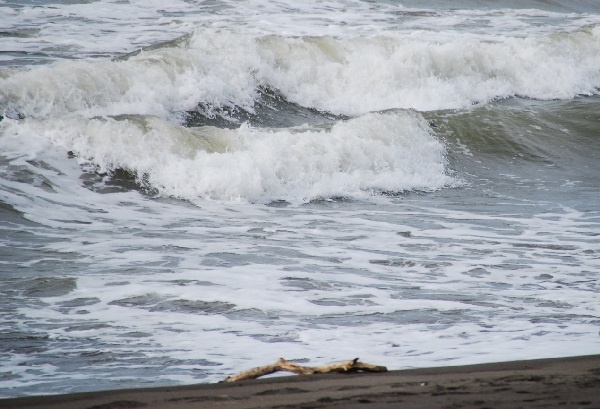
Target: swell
pixel 513 133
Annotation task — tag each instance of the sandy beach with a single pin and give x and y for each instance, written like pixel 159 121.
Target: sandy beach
pixel 549 383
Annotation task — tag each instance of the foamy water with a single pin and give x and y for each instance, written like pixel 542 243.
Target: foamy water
pixel 406 184
pixel 376 152
pixel 325 73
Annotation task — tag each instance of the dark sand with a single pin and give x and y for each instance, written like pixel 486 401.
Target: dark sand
pixel 548 383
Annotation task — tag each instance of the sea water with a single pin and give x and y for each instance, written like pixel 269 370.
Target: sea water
pixel 193 188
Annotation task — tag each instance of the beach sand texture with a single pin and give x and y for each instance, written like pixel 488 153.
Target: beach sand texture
pixel 548 383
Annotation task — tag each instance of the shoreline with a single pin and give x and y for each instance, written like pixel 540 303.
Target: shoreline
pixel 571 382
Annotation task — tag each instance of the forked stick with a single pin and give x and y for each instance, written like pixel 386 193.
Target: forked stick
pixel 282 365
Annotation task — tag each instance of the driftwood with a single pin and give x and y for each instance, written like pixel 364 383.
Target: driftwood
pixel 353 365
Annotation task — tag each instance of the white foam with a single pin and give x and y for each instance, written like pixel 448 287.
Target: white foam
pixel 161 83
pixel 108 27
pixel 357 75
pixel 321 284
pixel 392 151
pixel 351 75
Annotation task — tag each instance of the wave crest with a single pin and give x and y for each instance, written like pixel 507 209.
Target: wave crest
pixel 343 76
pixel 377 152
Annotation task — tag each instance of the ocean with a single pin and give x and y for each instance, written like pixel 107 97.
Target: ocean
pixel 189 189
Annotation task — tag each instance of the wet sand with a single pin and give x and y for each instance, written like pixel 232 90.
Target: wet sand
pixel 548 383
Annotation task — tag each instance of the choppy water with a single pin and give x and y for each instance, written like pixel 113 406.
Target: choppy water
pixel 191 189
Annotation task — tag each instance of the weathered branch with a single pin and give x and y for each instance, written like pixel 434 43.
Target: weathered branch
pixel 353 365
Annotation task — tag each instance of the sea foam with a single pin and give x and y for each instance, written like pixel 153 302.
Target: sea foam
pixel 351 75
pixel 378 152
pixel 126 113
